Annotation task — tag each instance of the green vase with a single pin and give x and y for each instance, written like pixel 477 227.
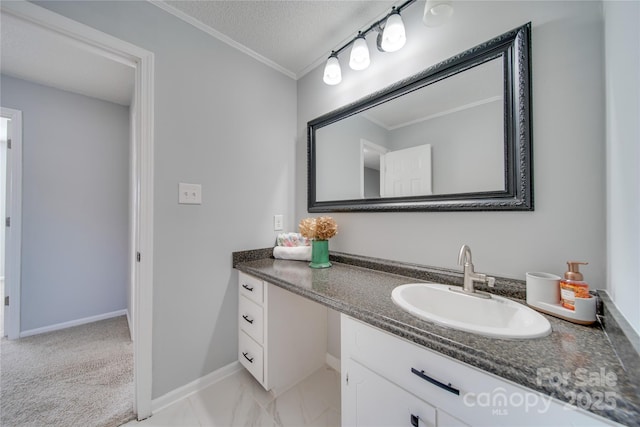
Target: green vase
pixel 319 254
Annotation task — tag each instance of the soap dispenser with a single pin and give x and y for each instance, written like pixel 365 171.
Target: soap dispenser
pixel 573 286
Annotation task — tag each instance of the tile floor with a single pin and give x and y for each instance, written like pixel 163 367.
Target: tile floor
pixel 239 400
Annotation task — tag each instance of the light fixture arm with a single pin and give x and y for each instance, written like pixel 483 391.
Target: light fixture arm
pixel 375 26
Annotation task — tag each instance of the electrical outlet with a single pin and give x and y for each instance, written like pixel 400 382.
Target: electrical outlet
pixel 278 222
pixel 189 194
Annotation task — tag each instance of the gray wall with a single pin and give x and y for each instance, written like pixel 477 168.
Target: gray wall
pixel 464 158
pixel 226 121
pixel 371 183
pixel 338 156
pixel 74 203
pixel 622 43
pixel 568 148
pixel 568 145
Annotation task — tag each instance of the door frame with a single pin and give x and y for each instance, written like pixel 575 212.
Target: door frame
pixel 371 147
pixel 141 186
pixel 13 232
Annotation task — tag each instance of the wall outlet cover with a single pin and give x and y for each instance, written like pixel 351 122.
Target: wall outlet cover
pixel 278 222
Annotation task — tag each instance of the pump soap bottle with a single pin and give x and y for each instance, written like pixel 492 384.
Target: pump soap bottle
pixel 572 286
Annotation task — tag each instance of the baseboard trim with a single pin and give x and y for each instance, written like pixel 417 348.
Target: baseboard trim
pixel 333 362
pixel 72 323
pixel 194 386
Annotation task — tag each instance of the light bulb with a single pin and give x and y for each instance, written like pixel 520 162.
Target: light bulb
pixel 359 59
pixel 393 36
pixel 332 71
pixel 436 12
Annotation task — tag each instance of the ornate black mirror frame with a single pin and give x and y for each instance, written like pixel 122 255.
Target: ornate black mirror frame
pixel 514 48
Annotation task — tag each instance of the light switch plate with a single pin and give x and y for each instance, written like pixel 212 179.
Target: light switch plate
pixel 189 194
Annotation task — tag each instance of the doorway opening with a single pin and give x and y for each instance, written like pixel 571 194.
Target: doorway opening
pixel 141 61
pixel 4 124
pixel 11 214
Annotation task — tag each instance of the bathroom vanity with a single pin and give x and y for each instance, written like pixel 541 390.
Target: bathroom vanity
pixel 397 369
pixel 390 381
pixel 278 333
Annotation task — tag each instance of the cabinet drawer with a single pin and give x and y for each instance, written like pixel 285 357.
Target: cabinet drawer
pixel 407 365
pixel 250 355
pixel 251 319
pixel 251 287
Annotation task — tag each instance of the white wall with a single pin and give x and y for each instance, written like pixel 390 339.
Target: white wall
pixel 74 204
pixel 568 145
pixel 622 70
pixel 226 121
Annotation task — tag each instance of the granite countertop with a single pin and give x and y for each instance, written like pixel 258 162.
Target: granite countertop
pixel 574 361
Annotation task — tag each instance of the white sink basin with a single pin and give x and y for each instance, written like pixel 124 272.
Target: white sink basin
pixel 494 317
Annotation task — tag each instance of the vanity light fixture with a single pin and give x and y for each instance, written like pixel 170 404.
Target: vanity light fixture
pixel 359 59
pixel 437 12
pixel 332 71
pixel 391 37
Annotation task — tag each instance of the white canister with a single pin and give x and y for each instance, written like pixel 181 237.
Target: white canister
pixel 543 287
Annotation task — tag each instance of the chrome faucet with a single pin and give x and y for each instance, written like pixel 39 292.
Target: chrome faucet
pixel 470 276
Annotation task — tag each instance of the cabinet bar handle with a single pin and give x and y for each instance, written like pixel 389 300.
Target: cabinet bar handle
pixel 250 359
pixel 247 287
pixel 415 420
pixel 245 317
pixel 433 381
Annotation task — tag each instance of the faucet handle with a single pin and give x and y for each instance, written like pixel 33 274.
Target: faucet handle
pixel 491 281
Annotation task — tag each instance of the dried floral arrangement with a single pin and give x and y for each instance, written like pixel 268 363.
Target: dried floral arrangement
pixel 320 228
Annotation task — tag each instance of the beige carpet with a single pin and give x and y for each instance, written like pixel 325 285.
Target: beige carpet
pixel 80 376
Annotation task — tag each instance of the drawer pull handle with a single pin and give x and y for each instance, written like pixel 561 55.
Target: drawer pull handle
pixel 250 359
pixel 433 381
pixel 247 287
pixel 415 420
pixel 245 317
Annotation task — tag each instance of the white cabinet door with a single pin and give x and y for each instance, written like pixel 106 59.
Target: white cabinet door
pixel 369 400
pixel 446 420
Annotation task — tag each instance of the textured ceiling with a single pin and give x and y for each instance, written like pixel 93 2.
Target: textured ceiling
pixel 295 35
pixel 292 36
pixel 32 53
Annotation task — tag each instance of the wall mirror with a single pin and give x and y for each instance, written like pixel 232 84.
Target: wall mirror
pixel 454 137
